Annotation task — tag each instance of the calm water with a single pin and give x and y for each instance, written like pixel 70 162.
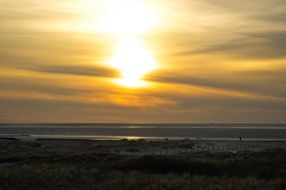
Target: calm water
pixel 118 131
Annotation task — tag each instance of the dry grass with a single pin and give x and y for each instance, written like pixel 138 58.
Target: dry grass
pixel 71 178
pixel 85 168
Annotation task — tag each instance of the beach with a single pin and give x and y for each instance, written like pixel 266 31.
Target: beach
pixel 140 146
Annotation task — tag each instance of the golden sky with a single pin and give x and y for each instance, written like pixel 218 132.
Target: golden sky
pixel 143 61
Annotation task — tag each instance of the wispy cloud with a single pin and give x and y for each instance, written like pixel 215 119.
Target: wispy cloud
pixel 221 61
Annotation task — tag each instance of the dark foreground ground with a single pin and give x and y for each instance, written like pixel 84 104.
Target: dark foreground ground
pixel 98 165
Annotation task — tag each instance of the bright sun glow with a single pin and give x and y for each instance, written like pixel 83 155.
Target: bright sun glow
pixel 127 21
pixel 126 18
pixel 133 60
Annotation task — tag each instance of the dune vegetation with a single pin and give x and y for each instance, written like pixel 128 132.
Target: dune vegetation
pixel 76 167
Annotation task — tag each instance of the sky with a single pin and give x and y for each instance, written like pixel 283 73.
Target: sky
pixel 145 61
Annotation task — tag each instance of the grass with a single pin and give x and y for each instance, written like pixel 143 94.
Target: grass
pixel 84 168
pixel 37 177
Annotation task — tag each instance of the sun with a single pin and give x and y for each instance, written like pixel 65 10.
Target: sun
pixel 127 21
pixel 133 61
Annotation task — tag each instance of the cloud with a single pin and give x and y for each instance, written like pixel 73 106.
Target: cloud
pixel 239 81
pixel 222 61
pixel 270 18
pixel 234 29
pixel 195 109
pixel 24 85
pixel 92 71
pixel 262 45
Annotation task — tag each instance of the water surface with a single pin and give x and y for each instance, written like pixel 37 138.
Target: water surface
pixel 152 131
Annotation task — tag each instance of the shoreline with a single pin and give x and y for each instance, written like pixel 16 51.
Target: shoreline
pixel 143 146
pixel 118 138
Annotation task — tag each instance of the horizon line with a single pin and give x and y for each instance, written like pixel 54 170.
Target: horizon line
pixel 131 123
